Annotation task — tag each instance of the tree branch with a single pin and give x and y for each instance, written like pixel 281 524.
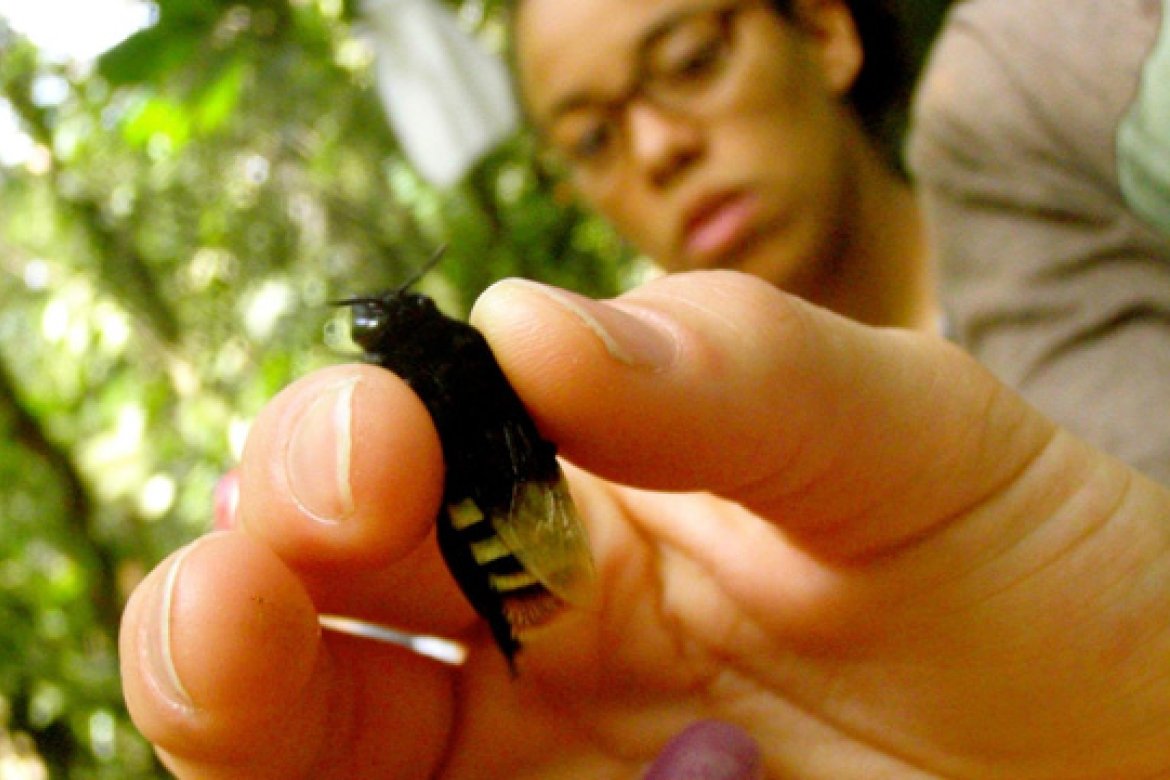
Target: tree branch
pixel 78 510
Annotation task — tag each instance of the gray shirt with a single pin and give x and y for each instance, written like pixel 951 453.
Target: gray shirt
pixel 1041 147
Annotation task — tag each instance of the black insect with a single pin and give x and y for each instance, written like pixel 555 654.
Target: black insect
pixel 508 530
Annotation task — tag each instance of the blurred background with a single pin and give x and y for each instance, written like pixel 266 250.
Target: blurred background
pixel 184 185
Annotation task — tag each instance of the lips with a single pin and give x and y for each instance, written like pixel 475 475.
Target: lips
pixel 717 225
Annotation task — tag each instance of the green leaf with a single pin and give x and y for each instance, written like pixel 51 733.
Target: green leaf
pixel 215 103
pixel 147 56
pixel 158 117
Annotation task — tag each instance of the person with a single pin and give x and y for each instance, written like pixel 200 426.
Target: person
pixel 740 134
pixel 1047 192
pixel 852 544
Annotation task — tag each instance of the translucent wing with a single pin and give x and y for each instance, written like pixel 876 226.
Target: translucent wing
pixel 543 530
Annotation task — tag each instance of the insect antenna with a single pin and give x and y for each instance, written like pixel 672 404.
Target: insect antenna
pixel 355 300
pixel 426 268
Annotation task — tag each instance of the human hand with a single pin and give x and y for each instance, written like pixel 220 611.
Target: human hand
pixel 853 544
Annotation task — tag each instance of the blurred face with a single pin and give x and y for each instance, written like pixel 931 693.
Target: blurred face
pixel 712 133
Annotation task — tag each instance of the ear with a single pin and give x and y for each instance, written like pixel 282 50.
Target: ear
pixel 833 33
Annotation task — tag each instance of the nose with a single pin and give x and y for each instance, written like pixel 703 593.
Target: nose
pixel 663 143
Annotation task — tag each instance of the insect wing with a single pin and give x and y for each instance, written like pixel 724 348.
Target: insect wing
pixel 544 531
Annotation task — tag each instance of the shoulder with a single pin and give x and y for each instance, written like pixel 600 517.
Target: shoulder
pixel 1031 81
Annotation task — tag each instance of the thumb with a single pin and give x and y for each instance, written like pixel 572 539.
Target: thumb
pixel 856 439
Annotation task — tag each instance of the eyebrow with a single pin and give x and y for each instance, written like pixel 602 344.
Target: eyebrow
pixel 659 29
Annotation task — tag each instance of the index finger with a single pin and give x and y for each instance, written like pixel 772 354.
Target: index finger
pixel 859 438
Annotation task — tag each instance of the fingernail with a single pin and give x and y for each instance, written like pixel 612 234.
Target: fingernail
pixel 318 457
pixel 709 750
pixel 160 657
pixel 629 339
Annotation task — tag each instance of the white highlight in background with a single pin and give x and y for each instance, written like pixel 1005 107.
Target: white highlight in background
pixel 77 30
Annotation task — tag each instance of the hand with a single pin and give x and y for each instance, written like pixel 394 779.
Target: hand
pixel 853 544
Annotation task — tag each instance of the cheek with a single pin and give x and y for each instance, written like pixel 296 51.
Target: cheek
pixel 788 113
pixel 792 148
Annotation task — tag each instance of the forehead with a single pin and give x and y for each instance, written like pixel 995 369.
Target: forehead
pixel 565 47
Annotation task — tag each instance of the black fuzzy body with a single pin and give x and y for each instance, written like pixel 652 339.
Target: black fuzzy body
pixel 490 444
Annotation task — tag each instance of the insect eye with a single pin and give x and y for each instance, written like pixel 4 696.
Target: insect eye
pixel 368 321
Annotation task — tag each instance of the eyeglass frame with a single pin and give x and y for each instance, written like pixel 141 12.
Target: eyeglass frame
pixel 641 87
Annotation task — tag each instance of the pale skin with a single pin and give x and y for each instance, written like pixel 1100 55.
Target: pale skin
pixel 923 579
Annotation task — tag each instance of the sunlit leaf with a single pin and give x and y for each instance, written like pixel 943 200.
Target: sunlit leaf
pixel 159 118
pixel 215 103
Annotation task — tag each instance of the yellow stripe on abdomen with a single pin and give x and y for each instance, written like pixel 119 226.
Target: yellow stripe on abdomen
pixel 505 583
pixel 488 550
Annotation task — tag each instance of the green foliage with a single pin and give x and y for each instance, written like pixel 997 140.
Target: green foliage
pixel 166 256
pixel 167 253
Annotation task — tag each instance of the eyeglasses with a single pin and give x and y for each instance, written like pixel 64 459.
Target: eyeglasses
pixel 681 66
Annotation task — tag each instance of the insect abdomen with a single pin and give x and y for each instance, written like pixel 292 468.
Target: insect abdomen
pixel 493 579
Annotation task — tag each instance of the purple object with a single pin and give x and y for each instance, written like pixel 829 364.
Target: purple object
pixel 709 750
